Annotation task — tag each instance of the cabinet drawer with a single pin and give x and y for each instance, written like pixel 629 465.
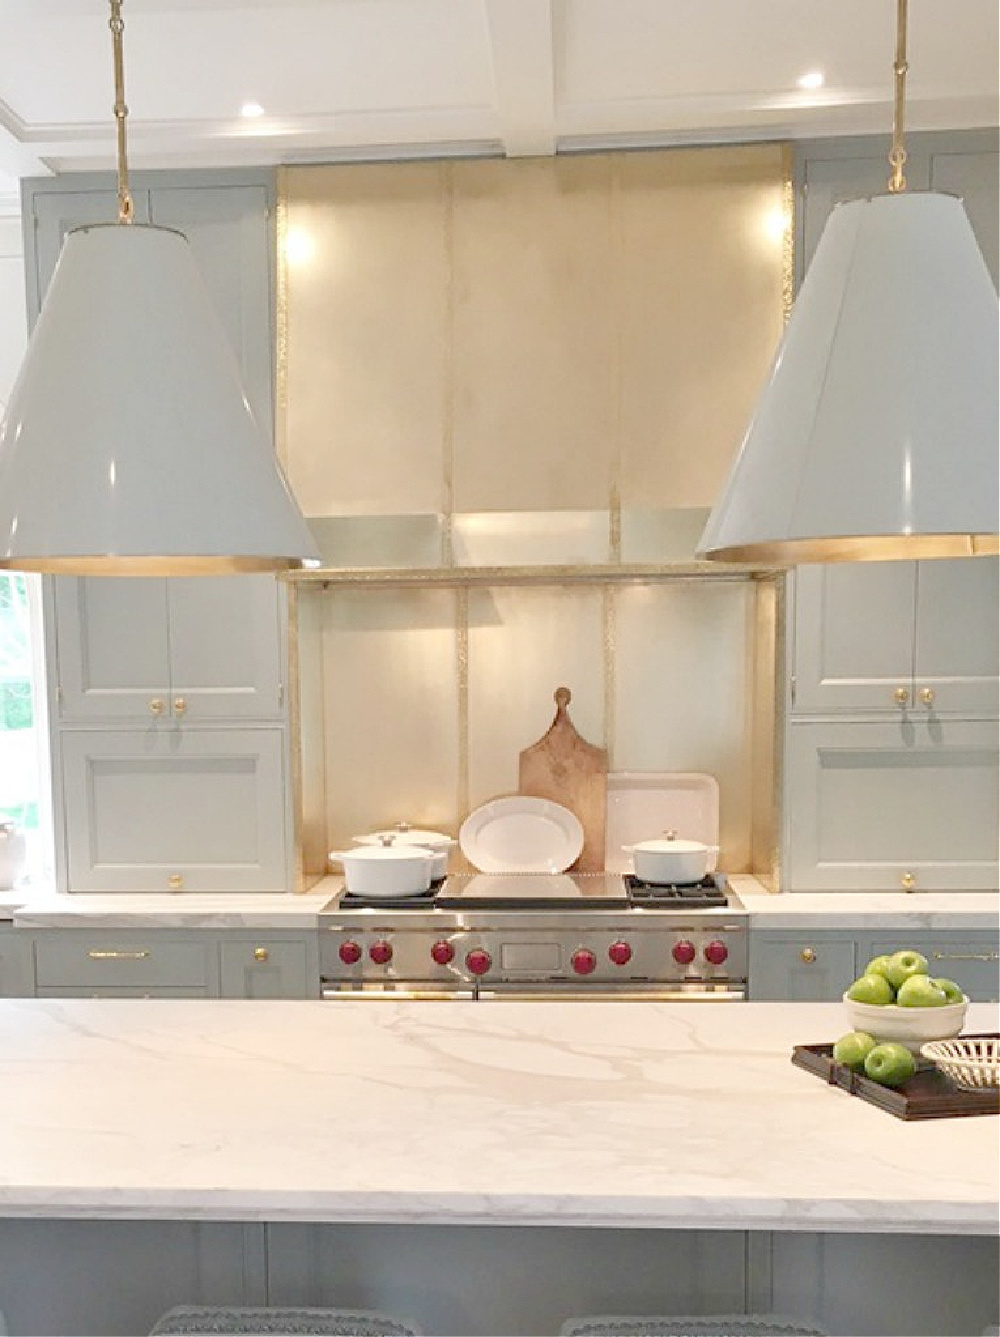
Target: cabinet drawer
pixel 265 968
pixel 118 960
pixel 125 991
pixel 972 961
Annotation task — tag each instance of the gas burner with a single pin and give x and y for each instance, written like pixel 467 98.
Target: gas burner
pixel 420 900
pixel 690 895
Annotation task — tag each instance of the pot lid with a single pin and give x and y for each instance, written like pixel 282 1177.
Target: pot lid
pixel 404 834
pixel 384 853
pixel 669 844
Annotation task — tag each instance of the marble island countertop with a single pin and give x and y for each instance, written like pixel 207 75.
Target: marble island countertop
pixel 604 1113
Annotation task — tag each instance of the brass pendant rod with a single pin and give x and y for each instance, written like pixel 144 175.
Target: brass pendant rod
pixel 125 208
pixel 897 158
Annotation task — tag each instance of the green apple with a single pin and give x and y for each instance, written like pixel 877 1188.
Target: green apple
pixel 920 991
pixel 878 965
pixel 890 1064
pixel 853 1048
pixel 871 989
pixel 952 993
pixel 904 964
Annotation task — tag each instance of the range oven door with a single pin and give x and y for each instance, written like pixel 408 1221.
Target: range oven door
pixel 536 992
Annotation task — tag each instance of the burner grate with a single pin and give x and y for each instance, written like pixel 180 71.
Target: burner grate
pixel 702 895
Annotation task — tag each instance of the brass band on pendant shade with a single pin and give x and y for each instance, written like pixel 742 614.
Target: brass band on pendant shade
pixel 876 434
pixel 128 446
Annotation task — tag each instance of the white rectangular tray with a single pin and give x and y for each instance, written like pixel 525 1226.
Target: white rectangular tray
pixel 642 805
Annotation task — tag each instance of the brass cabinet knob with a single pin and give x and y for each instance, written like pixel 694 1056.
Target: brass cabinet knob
pixel 908 881
pixel 808 955
pixel 260 954
pixel 156 706
pixel 901 696
pixel 180 705
pixel 175 881
pixel 927 695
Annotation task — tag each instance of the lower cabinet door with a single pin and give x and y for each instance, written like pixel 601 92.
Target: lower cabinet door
pixel 266 968
pixel 16 975
pixel 890 806
pixel 815 968
pixel 181 810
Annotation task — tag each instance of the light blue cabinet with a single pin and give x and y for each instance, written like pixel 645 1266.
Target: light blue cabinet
pixel 818 965
pixel 893 668
pixel 167 697
pixel 16 980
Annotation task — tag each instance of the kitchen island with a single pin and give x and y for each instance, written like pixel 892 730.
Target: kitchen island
pixel 621 1157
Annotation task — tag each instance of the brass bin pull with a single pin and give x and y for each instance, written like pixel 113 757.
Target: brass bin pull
pixel 116 954
pixel 966 956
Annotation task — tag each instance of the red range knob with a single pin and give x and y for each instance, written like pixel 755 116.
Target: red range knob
pixel 442 952
pixel 380 952
pixel 683 952
pixel 583 962
pixel 478 961
pixel 620 953
pixel 350 953
pixel 716 952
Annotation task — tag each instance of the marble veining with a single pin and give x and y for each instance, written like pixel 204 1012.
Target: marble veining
pixel 868 910
pixel 603 1113
pixel 180 910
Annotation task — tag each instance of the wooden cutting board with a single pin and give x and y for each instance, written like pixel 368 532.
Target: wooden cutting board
pixel 566 769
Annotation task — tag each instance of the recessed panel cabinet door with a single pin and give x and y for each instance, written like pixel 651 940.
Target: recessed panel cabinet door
pixel 853 640
pixel 875 806
pixel 175 810
pixel 957 660
pixel 152 650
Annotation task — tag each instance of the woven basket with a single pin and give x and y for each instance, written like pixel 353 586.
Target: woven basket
pixel 972 1063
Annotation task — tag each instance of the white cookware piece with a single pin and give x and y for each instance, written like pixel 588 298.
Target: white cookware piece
pixel 517 833
pixel 402 834
pixel 12 855
pixel 386 871
pixel 669 860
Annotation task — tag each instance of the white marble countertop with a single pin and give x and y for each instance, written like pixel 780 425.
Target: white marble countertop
pixel 867 909
pixel 180 910
pixel 603 1113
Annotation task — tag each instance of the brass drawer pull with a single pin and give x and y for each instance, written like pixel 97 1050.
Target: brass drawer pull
pixel 261 954
pixel 966 956
pixel 808 955
pixel 901 696
pixel 115 954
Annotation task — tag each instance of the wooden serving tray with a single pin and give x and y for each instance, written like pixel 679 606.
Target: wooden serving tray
pixel 929 1094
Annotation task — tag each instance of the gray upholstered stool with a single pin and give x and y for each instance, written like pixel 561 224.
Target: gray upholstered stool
pixel 676 1325
pixel 206 1319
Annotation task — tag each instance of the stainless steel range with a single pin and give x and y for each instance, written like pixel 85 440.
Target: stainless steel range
pixel 517 935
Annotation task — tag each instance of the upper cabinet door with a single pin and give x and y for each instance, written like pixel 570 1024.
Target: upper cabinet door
pixel 229 229
pixel 159 650
pixel 957 659
pixel 853 637
pixel 224 647
pixel 112 648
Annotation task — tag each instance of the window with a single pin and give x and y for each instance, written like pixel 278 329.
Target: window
pixel 23 729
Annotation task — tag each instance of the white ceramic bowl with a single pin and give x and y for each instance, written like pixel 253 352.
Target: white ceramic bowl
pixel 910 1026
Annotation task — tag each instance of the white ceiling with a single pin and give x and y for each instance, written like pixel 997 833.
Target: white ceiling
pixel 342 79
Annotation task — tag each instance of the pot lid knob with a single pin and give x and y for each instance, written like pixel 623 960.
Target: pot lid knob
pixel 670 835
pixel 386 838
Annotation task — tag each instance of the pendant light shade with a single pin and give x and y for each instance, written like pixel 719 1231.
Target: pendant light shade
pixel 876 435
pixel 128 447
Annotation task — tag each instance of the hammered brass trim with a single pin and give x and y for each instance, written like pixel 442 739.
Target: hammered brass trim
pixel 281 319
pixel 462 695
pixel 448 378
pixel 456 577
pixel 609 634
pixel 788 236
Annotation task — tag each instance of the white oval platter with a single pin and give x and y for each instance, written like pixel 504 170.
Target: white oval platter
pixel 520 834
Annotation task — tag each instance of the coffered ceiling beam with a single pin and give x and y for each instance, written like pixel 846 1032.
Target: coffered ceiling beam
pixel 523 74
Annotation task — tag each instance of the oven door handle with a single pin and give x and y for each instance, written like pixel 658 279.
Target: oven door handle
pixel 377 993
pixel 527 994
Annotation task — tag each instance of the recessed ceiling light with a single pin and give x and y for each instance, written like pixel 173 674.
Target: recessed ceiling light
pixel 250 109
pixel 814 79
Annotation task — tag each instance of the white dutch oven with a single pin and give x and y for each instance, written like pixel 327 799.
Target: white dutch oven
pixel 669 860
pixel 404 835
pixel 388 871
